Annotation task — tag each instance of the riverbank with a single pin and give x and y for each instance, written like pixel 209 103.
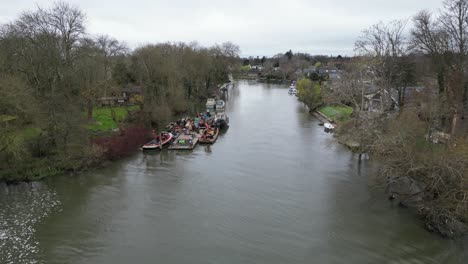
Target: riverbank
pixel 425 178
pixel 411 183
pixel 114 133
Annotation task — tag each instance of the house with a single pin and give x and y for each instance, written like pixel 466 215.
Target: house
pixel 309 70
pixel 374 97
pixel 132 90
pixel 112 101
pixel 306 71
pixel 330 73
pixel 412 94
pixel 256 68
pixel 334 75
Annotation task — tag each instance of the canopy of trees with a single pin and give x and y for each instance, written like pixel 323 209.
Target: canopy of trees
pixel 52 73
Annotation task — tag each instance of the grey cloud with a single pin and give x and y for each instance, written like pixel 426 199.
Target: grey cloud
pixel 261 27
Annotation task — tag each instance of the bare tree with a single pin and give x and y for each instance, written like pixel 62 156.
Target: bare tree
pixel 444 38
pixel 384 46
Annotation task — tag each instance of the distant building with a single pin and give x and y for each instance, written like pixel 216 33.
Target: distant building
pixel 132 90
pixel 374 98
pixel 255 68
pixel 309 70
pixel 330 73
pixel 112 101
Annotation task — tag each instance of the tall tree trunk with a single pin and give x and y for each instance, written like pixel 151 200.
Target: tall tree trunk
pixel 455 121
pixel 89 109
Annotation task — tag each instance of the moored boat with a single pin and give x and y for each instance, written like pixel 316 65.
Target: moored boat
pixel 210 103
pixel 292 90
pixel 221 120
pixel 293 85
pixel 184 142
pixel 159 142
pixel 220 105
pixel 209 135
pixel 328 127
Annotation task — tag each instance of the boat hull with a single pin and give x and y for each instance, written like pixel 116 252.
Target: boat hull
pixel 206 139
pixel 150 146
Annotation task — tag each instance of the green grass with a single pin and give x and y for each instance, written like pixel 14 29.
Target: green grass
pixel 103 117
pixel 244 68
pixel 337 113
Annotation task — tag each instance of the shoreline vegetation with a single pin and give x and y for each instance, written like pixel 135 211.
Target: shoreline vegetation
pixel 70 100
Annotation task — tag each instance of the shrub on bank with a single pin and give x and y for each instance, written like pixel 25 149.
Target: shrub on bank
pixel 123 144
pixel 433 178
pixel 309 93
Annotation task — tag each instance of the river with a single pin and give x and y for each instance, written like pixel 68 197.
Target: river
pixel 273 189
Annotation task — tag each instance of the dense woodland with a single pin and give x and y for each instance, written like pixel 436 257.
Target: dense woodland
pixel 52 73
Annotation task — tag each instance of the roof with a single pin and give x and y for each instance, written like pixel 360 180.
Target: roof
pixel 133 89
pixel 371 89
pixel 334 76
pixel 110 98
pixel 413 90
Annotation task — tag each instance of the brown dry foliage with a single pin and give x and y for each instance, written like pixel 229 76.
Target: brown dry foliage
pixel 442 170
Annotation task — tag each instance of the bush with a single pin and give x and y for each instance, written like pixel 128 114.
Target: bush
pixel 440 171
pixel 118 146
pixel 309 93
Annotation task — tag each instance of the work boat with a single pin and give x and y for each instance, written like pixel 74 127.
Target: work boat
pixel 185 141
pixel 221 120
pixel 159 142
pixel 209 135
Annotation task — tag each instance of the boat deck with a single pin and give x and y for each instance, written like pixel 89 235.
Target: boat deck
pixel 176 146
pixel 211 140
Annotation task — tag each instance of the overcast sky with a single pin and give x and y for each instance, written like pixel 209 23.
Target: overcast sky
pixel 259 27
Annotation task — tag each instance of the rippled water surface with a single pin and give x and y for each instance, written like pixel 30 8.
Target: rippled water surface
pixel 273 189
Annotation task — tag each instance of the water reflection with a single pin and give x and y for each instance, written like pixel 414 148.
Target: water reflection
pixel 22 208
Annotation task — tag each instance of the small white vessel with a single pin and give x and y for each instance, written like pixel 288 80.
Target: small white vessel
pixel 329 126
pixel 220 104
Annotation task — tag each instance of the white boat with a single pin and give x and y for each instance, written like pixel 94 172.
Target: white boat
pixel 293 85
pixel 220 105
pixel 210 103
pixel 292 91
pixel 329 126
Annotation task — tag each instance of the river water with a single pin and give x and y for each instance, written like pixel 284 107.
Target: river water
pixel 273 189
